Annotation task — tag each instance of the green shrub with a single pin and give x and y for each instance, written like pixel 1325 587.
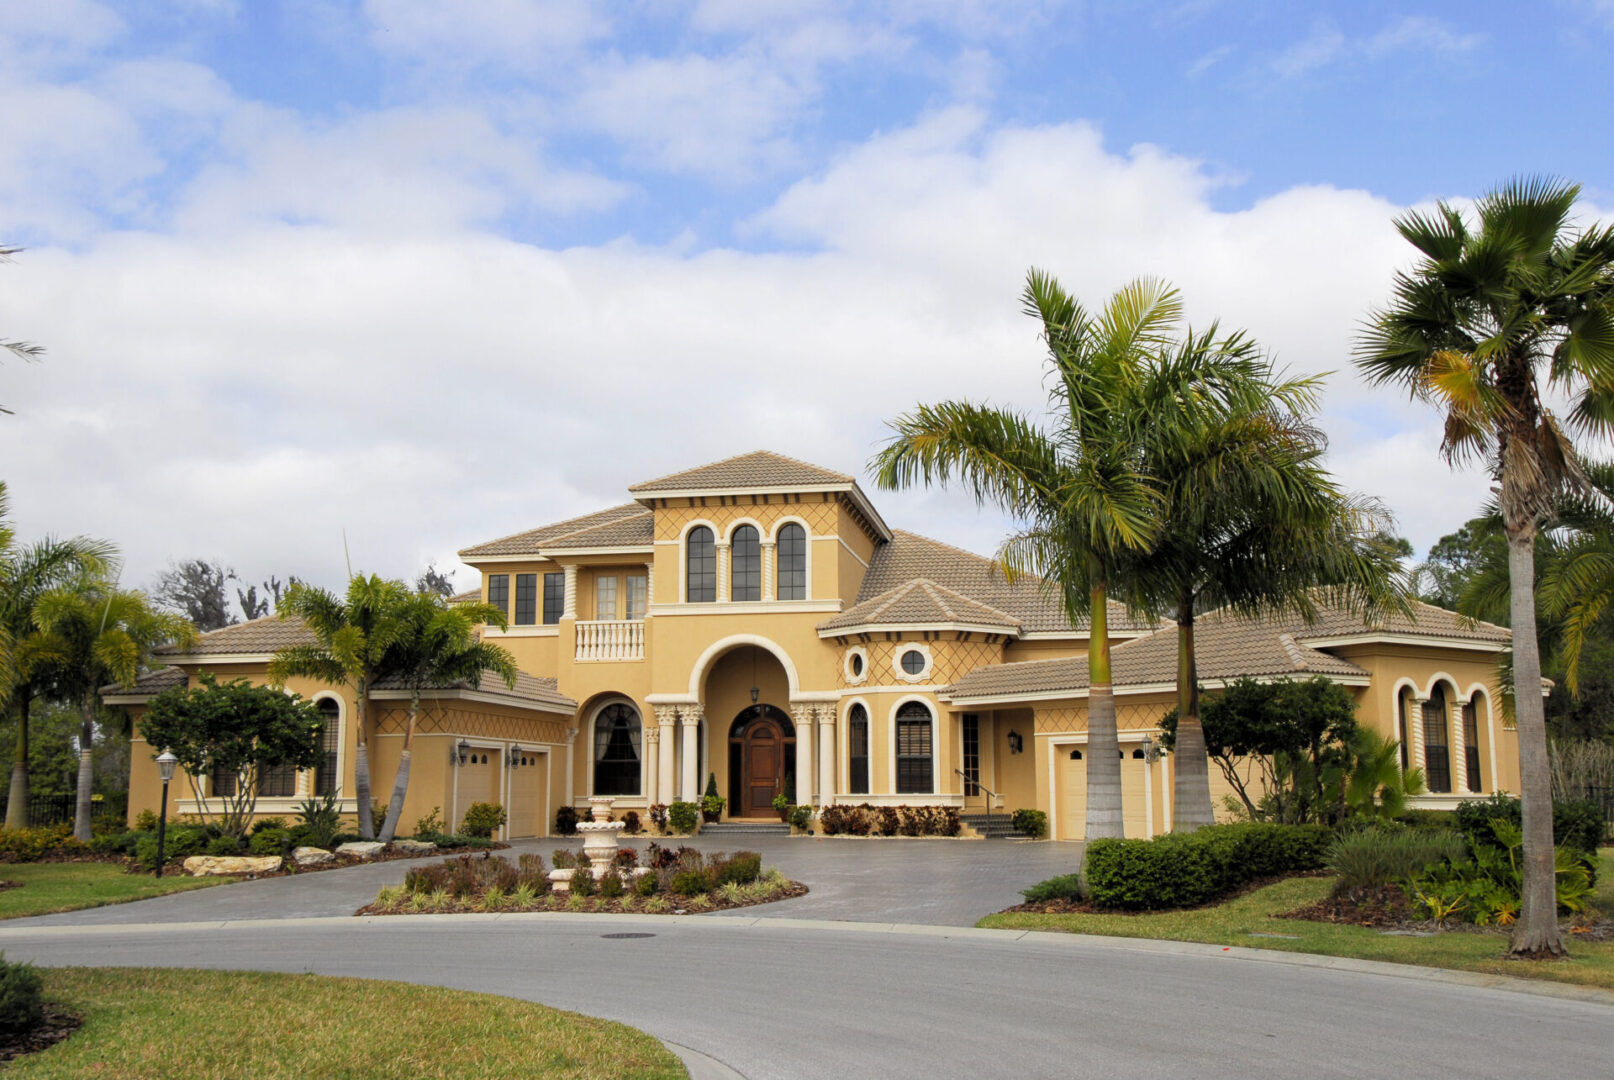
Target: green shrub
pixel 145 821
pixel 1032 823
pixel 31 845
pixel 1428 819
pixel 432 823
pixel 1181 870
pixel 482 818
pixel 562 859
pixel 1374 858
pixel 801 816
pixel 1063 887
pixel 270 842
pixel 122 843
pixel 742 868
pixel 691 882
pixel 224 845
pixel 181 842
pixel 321 823
pixel 1576 823
pixel 646 885
pixel 630 823
pixel 566 821
pixel 22 1006
pixel 583 883
pixel 611 885
pixel 265 824
pixel 682 816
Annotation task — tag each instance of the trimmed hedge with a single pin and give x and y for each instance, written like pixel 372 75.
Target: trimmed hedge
pixel 1190 869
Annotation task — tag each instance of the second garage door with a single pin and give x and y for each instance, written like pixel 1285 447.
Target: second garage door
pixel 1070 778
pixel 474 782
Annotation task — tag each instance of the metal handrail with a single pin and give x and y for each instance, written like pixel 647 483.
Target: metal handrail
pixel 990 795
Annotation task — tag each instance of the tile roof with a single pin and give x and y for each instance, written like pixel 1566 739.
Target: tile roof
pixel 759 470
pixel 1426 619
pixel 151 682
pixel 628 525
pixel 908 556
pixel 266 635
pixel 532 691
pixel 921 602
pixel 469 596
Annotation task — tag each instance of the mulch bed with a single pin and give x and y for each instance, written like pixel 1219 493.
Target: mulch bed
pixel 1389 910
pixel 615 906
pixel 58 1025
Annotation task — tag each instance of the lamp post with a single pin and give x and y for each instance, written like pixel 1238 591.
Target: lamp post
pixel 165 769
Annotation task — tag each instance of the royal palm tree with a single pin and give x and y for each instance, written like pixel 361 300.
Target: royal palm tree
pixel 1492 310
pixel 26 573
pixel 1079 490
pixel 95 633
pixel 351 638
pixel 25 350
pixel 439 646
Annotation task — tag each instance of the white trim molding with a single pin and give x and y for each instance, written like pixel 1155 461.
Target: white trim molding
pixel 986 700
pixel 891 745
pixel 855 678
pixel 1432 641
pixel 902 650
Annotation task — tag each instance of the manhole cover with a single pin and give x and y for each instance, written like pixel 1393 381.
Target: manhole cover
pixel 619 937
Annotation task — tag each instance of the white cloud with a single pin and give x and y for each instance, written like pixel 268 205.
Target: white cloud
pixel 525 35
pixel 1327 45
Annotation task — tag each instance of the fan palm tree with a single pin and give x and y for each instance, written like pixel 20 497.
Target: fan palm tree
pixel 26 573
pixel 1079 487
pixel 352 637
pixel 1252 521
pixel 438 646
pixel 1577 587
pixel 95 633
pixel 1488 315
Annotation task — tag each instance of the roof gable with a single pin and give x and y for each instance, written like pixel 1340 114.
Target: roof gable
pixel 628 525
pixel 921 602
pixel 760 470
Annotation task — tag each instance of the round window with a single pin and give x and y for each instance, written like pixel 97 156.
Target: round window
pixel 857 664
pixel 913 661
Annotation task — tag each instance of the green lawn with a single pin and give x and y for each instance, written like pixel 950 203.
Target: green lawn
pixel 48 887
pixel 144 1022
pixel 1239 921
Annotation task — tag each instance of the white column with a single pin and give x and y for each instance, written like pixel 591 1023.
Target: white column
pixel 769 577
pixel 569 610
pixel 690 717
pixel 1459 750
pixel 649 585
pixel 666 717
pixel 571 771
pixel 1415 726
pixel 721 551
pixel 826 754
pixel 652 762
pixel 802 713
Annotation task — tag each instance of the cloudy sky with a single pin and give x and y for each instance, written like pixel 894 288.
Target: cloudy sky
pixel 428 273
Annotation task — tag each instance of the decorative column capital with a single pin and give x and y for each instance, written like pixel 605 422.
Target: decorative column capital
pixel 571 733
pixel 666 715
pixel 652 735
pixel 802 712
pixel 826 713
pixel 691 715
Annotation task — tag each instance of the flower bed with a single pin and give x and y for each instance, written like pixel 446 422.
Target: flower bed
pixel 672 882
pixel 867 820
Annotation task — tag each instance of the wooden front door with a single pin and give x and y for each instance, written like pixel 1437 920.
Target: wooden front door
pixel 762 765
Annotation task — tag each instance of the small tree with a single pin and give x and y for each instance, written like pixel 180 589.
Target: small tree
pixel 196 589
pixel 235 728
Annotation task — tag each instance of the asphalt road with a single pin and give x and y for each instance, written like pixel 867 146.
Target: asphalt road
pixel 777 998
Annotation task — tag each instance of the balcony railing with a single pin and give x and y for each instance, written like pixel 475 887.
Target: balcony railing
pixel 614 639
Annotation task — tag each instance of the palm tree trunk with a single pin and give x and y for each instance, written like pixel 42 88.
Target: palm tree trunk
pixel 17 801
pixel 1104 813
pixel 1536 933
pixel 86 771
pixel 1191 797
pixel 400 785
pixel 361 765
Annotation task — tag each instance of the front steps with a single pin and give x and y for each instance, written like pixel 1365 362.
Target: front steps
pixel 721 829
pixel 997 827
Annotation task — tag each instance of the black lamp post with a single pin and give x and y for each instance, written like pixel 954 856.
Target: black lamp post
pixel 165 769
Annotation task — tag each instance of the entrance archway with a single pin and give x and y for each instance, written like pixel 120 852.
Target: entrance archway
pixel 762 760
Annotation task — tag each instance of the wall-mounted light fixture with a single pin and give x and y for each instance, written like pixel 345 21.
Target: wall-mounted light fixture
pixel 464 749
pixel 1151 752
pixel 1016 744
pixel 515 755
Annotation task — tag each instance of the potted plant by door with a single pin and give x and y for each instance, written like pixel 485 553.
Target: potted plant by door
pixel 781 803
pixel 711 802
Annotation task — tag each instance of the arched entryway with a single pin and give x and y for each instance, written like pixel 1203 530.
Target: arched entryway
pixel 762 760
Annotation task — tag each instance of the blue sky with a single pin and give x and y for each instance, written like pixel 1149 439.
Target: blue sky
pixel 432 272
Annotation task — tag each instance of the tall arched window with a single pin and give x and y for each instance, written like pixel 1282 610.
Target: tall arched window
pixel 792 555
pixel 617 746
pixel 1471 752
pixel 1403 710
pixel 1436 747
pixel 326 778
pixel 700 566
pixel 857 750
pixel 745 565
pixel 914 750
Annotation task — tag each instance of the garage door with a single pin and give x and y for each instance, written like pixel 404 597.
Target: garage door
pixel 474 782
pixel 528 786
pixel 1071 793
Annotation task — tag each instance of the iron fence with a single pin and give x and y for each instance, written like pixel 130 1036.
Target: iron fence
pixel 59 809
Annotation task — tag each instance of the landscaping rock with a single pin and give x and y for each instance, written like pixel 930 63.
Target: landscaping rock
pixel 415 847
pixel 361 849
pixel 218 865
pixel 311 856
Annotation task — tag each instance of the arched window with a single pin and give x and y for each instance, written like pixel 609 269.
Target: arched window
pixel 617 744
pixel 914 750
pixel 1471 752
pixel 857 750
pixel 745 565
pixel 1403 710
pixel 792 555
pixel 326 779
pixel 701 566
pixel 1436 747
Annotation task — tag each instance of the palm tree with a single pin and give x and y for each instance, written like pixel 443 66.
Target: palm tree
pixel 95 633
pixel 352 637
pixel 26 573
pixel 439 646
pixel 1485 315
pixel 1079 489
pixel 25 350
pixel 1252 520
pixel 1577 587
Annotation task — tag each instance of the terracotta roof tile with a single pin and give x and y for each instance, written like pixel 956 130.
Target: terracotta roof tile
pixel 530 690
pixel 266 635
pixel 151 682
pixel 759 470
pixel 1425 619
pixel 628 525
pixel 921 602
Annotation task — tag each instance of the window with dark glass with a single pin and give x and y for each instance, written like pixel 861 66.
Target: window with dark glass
pixel 635 595
pixel 223 782
pixel 554 598
pixel 499 592
pixel 791 553
pixel 617 744
pixel 279 782
pixel 526 599
pixel 700 566
pixel 1436 752
pixel 913 661
pixel 914 774
pixel 330 741
pixel 857 750
pixel 1405 711
pixel 745 564
pixel 972 754
pixel 1471 755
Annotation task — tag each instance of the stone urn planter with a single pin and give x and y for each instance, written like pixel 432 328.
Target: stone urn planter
pixel 600 835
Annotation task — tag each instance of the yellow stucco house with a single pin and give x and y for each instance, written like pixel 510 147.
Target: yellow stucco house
pixel 756 620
